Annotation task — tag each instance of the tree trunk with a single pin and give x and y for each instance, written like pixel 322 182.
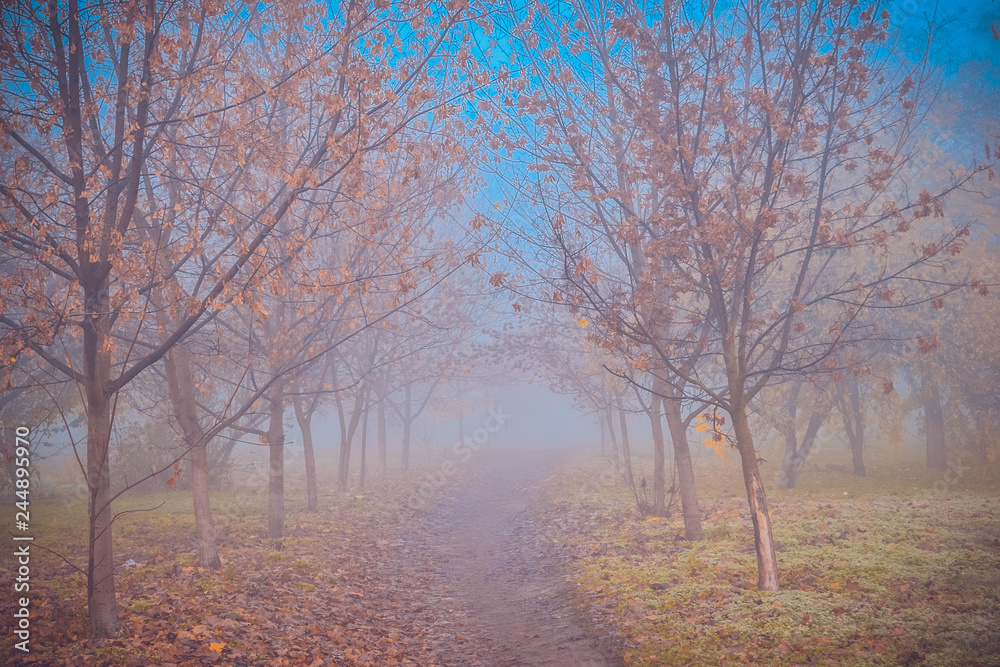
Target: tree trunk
pixel 180 384
pixel 406 428
pixel 347 439
pixel 609 415
pixel 790 433
pixel 604 433
pixel 626 448
pixel 685 470
pixel 767 562
pixel 208 554
pixel 276 477
pixel 937 455
pixel 796 455
pixel 854 424
pixel 364 449
pixel 101 602
pixel 659 477
pixel 382 458
pixel 221 463
pixel 858 453
pixel 304 420
pixel 785 480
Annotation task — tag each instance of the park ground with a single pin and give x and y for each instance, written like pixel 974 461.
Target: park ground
pixel 524 558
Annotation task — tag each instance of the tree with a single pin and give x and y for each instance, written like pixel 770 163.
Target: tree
pixel 849 399
pixel 819 402
pixel 305 403
pixel 85 110
pixel 943 343
pixel 765 149
pixel 110 110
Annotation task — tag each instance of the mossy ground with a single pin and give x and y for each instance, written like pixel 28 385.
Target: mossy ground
pixel 889 569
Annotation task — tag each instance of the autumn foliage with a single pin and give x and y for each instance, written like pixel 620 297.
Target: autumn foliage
pixel 737 222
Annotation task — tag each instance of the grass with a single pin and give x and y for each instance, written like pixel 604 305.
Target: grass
pixel 890 569
pixel 901 567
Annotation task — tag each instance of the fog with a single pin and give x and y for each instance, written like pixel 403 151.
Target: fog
pixel 463 333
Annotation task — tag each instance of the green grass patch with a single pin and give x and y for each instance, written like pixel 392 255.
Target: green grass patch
pixel 873 570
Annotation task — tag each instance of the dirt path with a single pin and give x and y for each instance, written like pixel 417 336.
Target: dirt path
pixel 491 553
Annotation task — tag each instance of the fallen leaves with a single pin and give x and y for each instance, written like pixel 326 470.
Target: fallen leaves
pixel 343 590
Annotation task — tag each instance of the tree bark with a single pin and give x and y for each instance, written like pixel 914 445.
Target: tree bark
pixel 347 438
pixel 786 481
pixel 382 454
pixel 101 603
pixel 221 462
pixel 767 562
pixel 304 419
pixel 659 477
pixel 854 424
pixel 276 476
pixel 407 410
pixel 364 449
pixel 685 470
pixel 626 448
pixel 795 453
pixel 180 385
pixel 858 452
pixel 609 416
pixel 208 553
pixel 930 394
pixel 604 433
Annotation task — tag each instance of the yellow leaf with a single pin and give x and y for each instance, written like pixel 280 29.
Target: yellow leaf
pixel 217 646
pixel 702 428
pixel 582 321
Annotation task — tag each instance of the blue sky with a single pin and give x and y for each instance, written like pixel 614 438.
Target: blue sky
pixel 963 30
